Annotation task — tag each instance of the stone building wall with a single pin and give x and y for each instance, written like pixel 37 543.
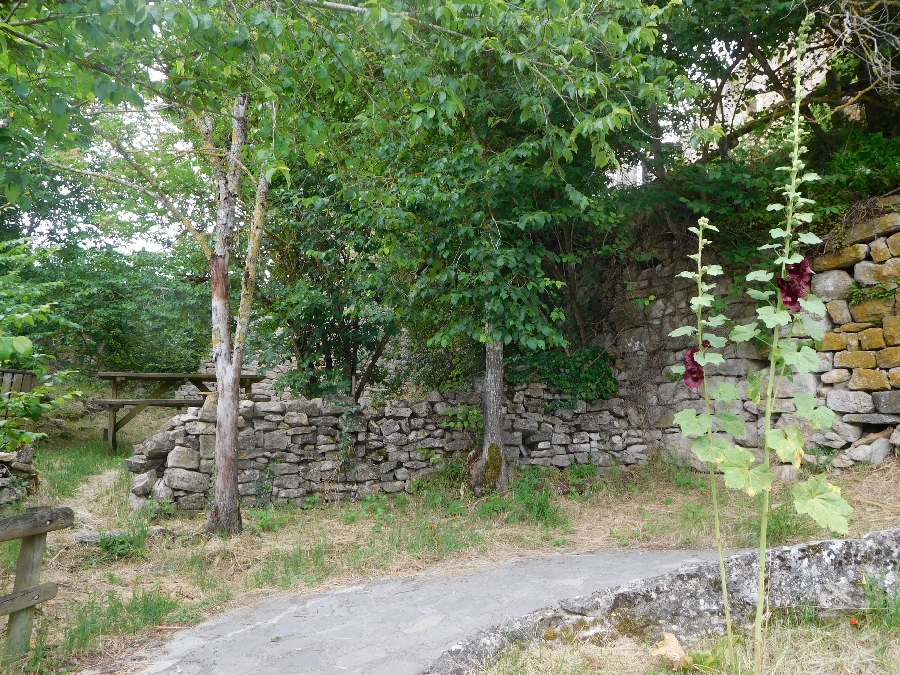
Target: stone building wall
pixel 292 449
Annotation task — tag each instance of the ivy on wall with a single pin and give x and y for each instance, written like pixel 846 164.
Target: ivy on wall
pixel 584 374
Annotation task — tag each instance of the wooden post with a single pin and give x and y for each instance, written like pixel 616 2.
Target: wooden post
pixel 28 574
pixel 111 411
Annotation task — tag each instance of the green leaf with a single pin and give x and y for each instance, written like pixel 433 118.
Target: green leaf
pixel 755 387
pixel 693 424
pixel 760 296
pixel 805 359
pixel 6 348
pixel 760 275
pixel 814 330
pixel 771 318
pixel 744 332
pixel 823 502
pixel 22 346
pixel 715 340
pixel 821 417
pixel 708 450
pixel 725 391
pixel 677 370
pixel 813 305
pixel 706 358
pixel 778 233
pixel 684 330
pixel 809 238
pixel 775 207
pixel 736 467
pixel 787 444
pixel 732 424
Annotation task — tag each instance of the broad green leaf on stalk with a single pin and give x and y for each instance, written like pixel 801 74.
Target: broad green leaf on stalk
pixel 715 340
pixel 787 444
pixel 822 417
pixel 792 259
pixel 760 296
pixel 677 370
pixel 808 238
pixel 760 275
pixel 732 424
pixel 699 301
pixel 778 233
pixel 684 330
pixel 709 357
pixel 15 345
pixel 687 274
pixel 693 424
pixel 814 330
pixel 708 450
pixel 725 391
pixel 744 332
pixel 736 467
pixel 811 176
pixel 716 320
pixel 714 270
pixel 805 359
pixel 755 387
pixel 823 502
pixel 813 305
pixel 804 218
pixel 773 318
pixel 775 207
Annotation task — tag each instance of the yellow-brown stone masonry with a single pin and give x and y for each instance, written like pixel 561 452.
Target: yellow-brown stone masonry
pixel 867 379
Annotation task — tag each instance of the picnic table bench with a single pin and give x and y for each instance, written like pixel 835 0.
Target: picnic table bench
pixel 167 381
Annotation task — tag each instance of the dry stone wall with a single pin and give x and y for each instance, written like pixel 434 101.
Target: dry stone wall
pixel 292 449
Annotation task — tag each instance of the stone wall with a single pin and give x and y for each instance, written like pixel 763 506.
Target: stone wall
pixel 291 449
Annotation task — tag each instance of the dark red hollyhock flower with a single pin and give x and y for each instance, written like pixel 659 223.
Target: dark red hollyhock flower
pixel 795 286
pixel 693 371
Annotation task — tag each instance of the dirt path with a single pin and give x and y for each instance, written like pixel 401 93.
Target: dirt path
pixel 87 499
pixel 394 626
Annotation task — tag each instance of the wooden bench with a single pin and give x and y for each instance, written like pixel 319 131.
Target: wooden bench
pixel 167 382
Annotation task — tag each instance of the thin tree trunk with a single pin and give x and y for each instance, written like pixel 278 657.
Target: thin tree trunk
pixel 490 470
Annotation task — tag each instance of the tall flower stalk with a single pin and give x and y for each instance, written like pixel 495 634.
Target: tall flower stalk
pixel 781 315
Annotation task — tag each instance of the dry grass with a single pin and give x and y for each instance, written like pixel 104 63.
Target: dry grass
pixel 309 550
pixel 833 648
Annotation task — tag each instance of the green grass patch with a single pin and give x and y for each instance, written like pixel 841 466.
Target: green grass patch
pixel 64 466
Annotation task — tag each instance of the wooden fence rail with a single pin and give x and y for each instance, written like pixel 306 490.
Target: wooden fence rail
pixel 32 528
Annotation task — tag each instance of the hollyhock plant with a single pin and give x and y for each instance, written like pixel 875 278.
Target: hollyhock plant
pixel 693 371
pixel 794 287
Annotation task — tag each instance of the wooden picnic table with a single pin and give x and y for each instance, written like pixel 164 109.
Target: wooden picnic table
pixel 167 382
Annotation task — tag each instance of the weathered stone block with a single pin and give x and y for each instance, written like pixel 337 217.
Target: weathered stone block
pixel 142 464
pixel 887 402
pixel 158 445
pixel 296 419
pixel 561 460
pixel 866 379
pixel 836 376
pixel 873 310
pixel 872 273
pixel 855 327
pixel 872 418
pixel 183 458
pixel 891 329
pixel 873 453
pixel 161 492
pixel 850 402
pixel 879 250
pixel 894 377
pixel 854 360
pixel 144 482
pixel 893 243
pixel 189 481
pixel 871 339
pixel 192 502
pixel 833 342
pixel 839 311
pixel 869 230
pixel 392 486
pixel 397 413
pixel 208 446
pixel 842 259
pixel 276 440
pixel 832 285
pixel 888 358
pixel 267 408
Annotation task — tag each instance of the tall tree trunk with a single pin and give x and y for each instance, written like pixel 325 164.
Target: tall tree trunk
pixel 490 469
pixel 225 514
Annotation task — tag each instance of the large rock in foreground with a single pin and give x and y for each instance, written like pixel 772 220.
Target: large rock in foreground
pixel 826 574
